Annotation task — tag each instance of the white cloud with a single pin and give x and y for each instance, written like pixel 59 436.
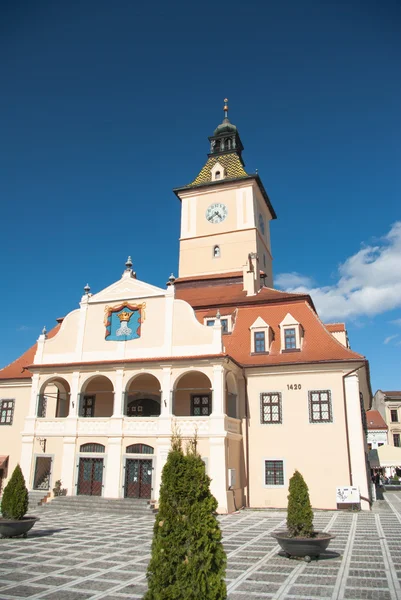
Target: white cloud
pixel 396 322
pixel 369 282
pixel 292 280
pixel 389 338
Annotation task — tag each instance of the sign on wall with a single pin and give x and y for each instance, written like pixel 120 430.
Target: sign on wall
pixel 123 322
pixel 348 495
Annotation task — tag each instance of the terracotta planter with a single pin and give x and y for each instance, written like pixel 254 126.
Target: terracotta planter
pixel 13 527
pixel 306 548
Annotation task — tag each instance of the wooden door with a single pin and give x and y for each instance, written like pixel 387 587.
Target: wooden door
pixel 90 476
pixel 138 478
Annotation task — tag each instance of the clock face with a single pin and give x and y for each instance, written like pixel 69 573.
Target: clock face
pixel 262 224
pixel 216 213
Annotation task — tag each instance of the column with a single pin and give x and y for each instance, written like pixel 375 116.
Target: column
pixel 74 395
pixel 166 408
pixel 26 458
pixel 218 391
pixel 161 459
pixel 356 437
pixel 112 483
pixel 218 472
pixel 118 408
pixel 68 465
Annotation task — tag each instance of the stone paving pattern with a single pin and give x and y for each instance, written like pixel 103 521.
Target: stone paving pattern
pixel 81 556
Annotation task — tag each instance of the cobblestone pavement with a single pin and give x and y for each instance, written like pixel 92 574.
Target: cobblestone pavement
pixel 80 556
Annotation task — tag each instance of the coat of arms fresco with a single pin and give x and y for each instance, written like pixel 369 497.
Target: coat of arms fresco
pixel 123 322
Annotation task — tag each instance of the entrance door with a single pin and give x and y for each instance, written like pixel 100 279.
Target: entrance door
pixel 138 478
pixel 41 480
pixel 90 477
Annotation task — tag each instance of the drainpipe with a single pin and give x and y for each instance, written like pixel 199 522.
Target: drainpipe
pixel 347 430
pixel 248 503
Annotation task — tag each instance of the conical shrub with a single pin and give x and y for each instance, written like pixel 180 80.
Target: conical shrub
pixel 188 561
pixel 299 512
pixel 14 504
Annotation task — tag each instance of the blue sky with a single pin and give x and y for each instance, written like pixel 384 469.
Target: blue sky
pixel 106 107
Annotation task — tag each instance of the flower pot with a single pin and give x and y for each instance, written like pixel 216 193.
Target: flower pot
pixel 306 548
pixel 13 527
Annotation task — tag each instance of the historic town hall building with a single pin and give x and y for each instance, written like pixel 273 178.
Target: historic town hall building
pixel 265 384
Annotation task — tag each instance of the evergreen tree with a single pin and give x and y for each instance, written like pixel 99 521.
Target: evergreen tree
pixel 14 504
pixel 299 512
pixel 188 561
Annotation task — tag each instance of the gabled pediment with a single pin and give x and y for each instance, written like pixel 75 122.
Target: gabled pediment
pixel 127 288
pixel 259 323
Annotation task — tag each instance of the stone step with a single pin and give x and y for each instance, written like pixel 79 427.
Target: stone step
pixel 129 506
pixel 37 497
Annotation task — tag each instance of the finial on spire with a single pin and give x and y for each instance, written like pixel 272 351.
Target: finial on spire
pixel 44 330
pixel 218 315
pixel 87 289
pixel 226 108
pixel 128 264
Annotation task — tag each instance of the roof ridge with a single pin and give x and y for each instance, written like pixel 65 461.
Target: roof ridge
pixel 356 354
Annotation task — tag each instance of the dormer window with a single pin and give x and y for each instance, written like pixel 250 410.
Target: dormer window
pixel 217 172
pixel 224 323
pixel 291 333
pixel 290 341
pixel 261 337
pixel 260 342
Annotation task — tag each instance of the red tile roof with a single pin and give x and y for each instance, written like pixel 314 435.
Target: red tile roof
pixel 318 344
pixel 18 368
pixel 334 327
pixel 232 294
pixel 397 394
pixel 375 420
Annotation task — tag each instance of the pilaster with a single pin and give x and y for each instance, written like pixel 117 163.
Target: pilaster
pixel 68 465
pixel 218 391
pixel 118 408
pixel 74 397
pixel 112 487
pixel 26 458
pixel 356 437
pixel 166 408
pixel 218 472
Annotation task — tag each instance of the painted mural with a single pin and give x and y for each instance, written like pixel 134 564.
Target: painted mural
pixel 123 322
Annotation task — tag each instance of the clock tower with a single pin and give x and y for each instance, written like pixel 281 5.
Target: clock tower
pixel 225 212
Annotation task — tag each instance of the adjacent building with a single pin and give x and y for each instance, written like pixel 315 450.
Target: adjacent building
pixel 389 406
pixel 251 370
pixel 377 430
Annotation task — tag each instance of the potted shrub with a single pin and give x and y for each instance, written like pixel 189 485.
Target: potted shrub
pixel 14 506
pixel 301 539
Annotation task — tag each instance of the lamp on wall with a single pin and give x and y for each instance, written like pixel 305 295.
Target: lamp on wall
pixel 42 442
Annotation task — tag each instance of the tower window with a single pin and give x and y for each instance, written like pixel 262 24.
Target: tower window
pixel 217 175
pixel 228 144
pixel 216 249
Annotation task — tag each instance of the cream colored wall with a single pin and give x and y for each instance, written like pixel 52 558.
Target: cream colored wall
pixel 102 389
pixel 152 329
pixel 187 331
pixel 10 435
pixel 196 254
pixel 235 460
pixel 317 450
pixel 64 342
pixel 341 336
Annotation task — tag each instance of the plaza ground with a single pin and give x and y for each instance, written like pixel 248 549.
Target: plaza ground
pixel 85 556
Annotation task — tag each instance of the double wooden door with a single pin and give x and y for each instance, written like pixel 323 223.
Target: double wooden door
pixel 138 478
pixel 90 477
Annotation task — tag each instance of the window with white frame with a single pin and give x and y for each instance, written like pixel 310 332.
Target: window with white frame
pixel 224 323
pixel 291 334
pixel 261 336
pixel 320 409
pixel 270 407
pixel 6 412
pixel 274 472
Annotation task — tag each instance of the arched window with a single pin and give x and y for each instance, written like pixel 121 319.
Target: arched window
pixel 216 252
pixel 139 449
pixel 217 175
pixel 92 447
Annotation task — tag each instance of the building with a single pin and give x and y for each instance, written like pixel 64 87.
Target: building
pixel 265 385
pixel 389 406
pixel 377 430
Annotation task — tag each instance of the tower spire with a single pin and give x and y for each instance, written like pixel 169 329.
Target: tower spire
pixel 225 108
pixel 225 138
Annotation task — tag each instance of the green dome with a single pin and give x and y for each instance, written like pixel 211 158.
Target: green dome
pixel 225 127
